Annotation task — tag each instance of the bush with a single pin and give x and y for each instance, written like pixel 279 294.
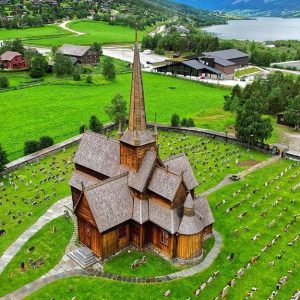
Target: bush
pixel 31 147
pixel 4 82
pixel 184 122
pixel 38 66
pixel 45 142
pixel 82 128
pixel 3 158
pixel 89 79
pixel 95 125
pixel 190 122
pixel 109 70
pixel 76 76
pixel 175 120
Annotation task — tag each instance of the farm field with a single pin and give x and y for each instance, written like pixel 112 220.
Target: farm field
pixel 36 187
pixel 95 31
pixel 45 32
pixel 258 219
pixel 58 109
pixel 46 249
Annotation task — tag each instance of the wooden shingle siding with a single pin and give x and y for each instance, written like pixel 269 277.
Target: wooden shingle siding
pixel 189 246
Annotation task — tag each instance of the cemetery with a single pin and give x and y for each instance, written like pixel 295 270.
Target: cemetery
pixel 258 218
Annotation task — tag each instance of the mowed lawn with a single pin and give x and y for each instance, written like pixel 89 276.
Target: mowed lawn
pixel 279 204
pixel 96 31
pixel 58 110
pixel 48 31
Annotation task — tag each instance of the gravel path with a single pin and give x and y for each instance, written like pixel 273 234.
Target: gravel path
pixel 64 24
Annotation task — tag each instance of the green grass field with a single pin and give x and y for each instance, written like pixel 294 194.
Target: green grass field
pixel 45 32
pixel 247 71
pixel 278 203
pixel 49 249
pixel 58 109
pixel 96 31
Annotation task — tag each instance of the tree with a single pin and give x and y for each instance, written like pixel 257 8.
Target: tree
pixel 97 47
pixel 3 158
pixel 38 66
pixel 76 75
pixel 31 147
pixel 95 124
pixel 62 65
pixel 89 79
pixel 117 110
pixel 292 114
pixel 109 70
pixel 45 142
pixel 175 120
pixel 190 122
pixel 4 82
pixel 82 128
pixel 231 101
pixel 250 126
pixel 184 122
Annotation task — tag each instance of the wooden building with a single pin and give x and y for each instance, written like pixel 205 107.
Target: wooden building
pixel 82 54
pixel 124 194
pixel 11 60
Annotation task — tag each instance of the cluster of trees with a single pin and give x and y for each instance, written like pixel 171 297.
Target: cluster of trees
pixel 196 42
pixel 264 97
pixel 34 146
pixel 176 121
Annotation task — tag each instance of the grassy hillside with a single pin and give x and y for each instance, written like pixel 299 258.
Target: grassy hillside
pixel 59 109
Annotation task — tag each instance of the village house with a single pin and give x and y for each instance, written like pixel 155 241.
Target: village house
pixel 11 60
pixel 82 54
pixel 125 194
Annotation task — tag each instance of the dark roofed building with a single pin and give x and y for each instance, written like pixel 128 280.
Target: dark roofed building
pixel 82 54
pixel 124 194
pixel 241 59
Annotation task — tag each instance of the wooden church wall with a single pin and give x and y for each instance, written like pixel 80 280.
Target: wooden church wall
pixel 189 246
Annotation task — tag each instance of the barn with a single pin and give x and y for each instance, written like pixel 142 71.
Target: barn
pixel 12 60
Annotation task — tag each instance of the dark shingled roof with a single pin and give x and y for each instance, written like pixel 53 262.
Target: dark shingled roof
pixel 137 137
pixel 87 180
pixel 163 216
pixel 138 180
pixel 195 64
pixel 9 55
pixel 202 209
pixel 164 183
pixel 110 202
pixel 180 163
pixel 190 225
pixel 223 62
pixel 140 211
pixel 99 153
pixel 74 50
pixel 227 54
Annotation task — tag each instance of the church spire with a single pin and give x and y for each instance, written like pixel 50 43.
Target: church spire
pixel 137 116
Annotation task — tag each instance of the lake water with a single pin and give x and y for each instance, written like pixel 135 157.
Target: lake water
pixel 260 29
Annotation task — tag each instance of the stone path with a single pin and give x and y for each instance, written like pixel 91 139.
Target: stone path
pixel 227 181
pixel 67 268
pixel 56 210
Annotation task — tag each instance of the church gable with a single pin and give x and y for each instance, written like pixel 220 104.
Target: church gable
pixel 83 210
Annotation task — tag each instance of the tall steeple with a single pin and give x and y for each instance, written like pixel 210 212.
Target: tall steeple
pixel 137 116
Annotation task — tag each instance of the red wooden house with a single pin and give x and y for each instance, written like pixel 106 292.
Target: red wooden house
pixel 11 60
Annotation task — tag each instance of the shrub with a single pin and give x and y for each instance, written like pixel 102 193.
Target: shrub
pixel 184 122
pixel 76 75
pixel 31 147
pixel 95 125
pixel 190 122
pixel 82 128
pixel 3 158
pixel 175 120
pixel 45 142
pixel 89 79
pixel 109 70
pixel 38 66
pixel 4 82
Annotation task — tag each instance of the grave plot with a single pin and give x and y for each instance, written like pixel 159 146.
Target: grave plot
pixel 28 192
pixel 38 255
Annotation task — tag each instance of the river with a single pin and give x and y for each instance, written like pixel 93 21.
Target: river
pixel 260 30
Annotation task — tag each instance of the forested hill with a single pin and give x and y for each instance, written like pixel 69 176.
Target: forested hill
pixel 255 7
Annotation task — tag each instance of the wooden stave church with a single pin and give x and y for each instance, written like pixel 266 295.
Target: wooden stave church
pixel 124 194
